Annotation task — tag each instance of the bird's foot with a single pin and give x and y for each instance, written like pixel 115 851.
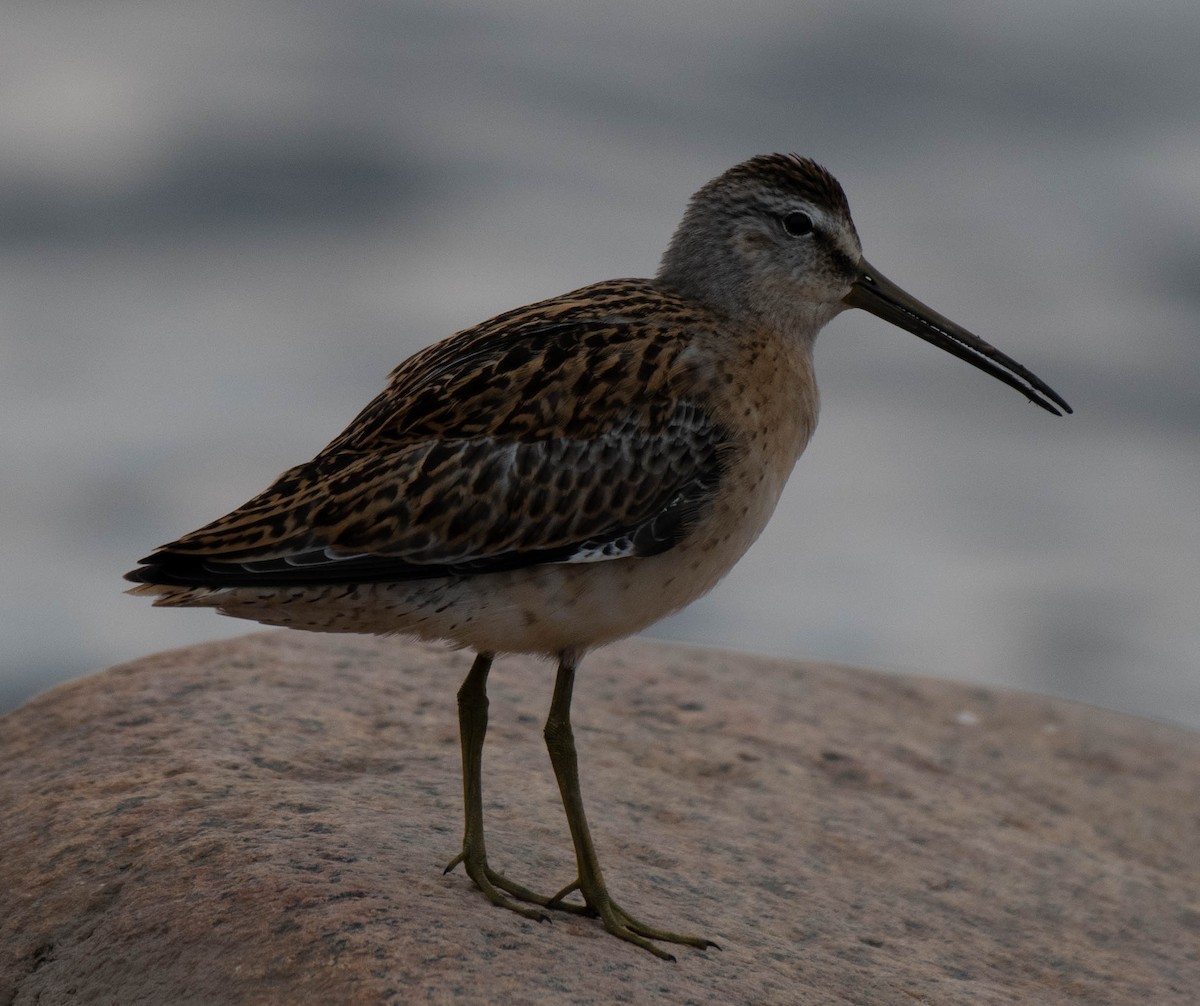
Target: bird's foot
pixel 493 883
pixel 623 925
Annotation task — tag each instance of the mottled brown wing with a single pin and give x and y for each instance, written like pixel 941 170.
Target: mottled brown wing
pixel 488 451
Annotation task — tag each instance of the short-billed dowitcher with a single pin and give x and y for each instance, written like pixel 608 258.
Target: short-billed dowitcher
pixel 569 472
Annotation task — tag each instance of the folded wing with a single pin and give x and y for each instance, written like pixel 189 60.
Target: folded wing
pixel 482 455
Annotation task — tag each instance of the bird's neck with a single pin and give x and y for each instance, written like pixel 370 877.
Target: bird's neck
pixel 688 272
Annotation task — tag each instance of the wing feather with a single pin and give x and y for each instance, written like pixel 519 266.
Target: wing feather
pixel 542 436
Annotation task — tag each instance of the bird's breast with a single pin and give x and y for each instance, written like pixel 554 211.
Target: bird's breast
pixel 760 389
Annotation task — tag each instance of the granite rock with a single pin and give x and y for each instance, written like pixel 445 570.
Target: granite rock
pixel 265 820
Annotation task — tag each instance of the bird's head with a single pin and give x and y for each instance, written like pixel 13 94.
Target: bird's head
pixel 772 239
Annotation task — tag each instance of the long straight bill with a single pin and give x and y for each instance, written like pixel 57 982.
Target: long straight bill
pixel 874 292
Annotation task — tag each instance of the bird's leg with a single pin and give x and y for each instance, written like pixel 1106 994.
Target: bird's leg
pixel 472 727
pixel 560 742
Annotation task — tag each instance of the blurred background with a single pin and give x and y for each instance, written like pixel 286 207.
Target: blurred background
pixel 222 224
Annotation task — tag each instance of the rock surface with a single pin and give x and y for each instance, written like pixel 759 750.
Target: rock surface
pixel 265 820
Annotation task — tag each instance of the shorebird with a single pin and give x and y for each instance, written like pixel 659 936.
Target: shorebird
pixel 569 472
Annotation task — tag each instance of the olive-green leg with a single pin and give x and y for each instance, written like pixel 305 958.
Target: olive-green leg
pixel 472 725
pixel 560 742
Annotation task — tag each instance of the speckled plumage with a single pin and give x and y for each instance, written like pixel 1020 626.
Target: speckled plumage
pixel 513 459
pixel 569 472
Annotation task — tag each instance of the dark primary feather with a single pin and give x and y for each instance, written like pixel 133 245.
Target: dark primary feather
pixel 492 450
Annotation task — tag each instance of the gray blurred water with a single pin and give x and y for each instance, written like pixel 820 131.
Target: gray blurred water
pixel 221 225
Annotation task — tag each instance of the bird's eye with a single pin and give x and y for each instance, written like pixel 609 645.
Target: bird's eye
pixel 797 224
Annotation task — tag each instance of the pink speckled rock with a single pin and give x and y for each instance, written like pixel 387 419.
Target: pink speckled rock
pixel 265 821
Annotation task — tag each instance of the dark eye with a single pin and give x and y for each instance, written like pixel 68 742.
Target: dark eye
pixel 797 224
